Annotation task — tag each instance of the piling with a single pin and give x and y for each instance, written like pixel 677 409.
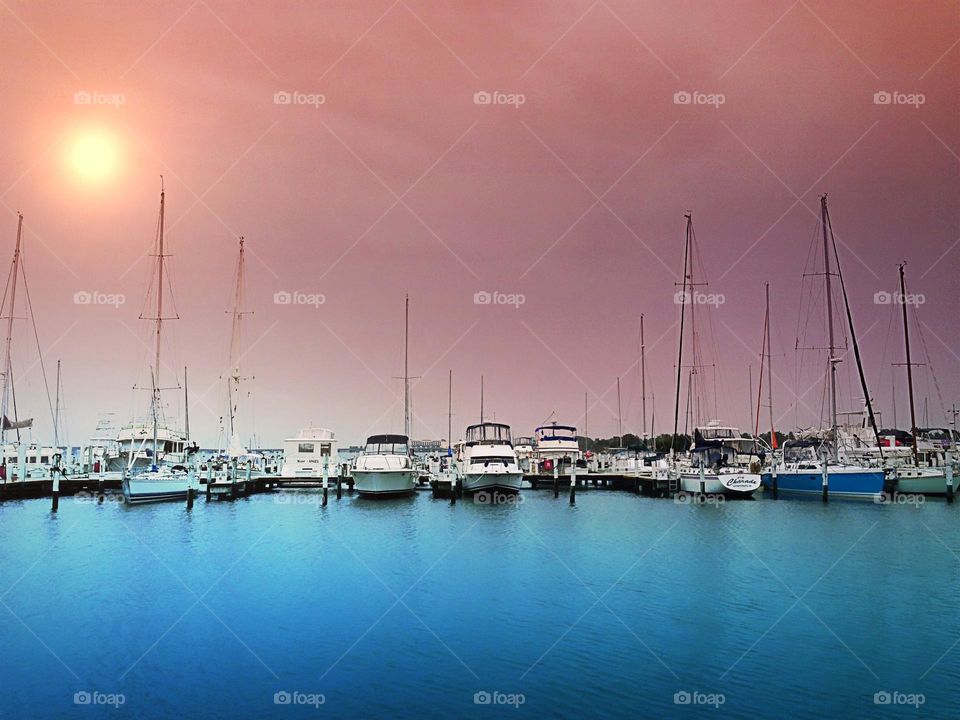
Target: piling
pixel 324 495
pixel 339 487
pixel 573 483
pixel 773 478
pixel 208 490
pixel 949 473
pixel 826 482
pixel 190 494
pixel 453 490
pixel 703 482
pixel 556 479
pixel 56 495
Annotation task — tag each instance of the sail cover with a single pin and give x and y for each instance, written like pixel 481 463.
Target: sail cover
pixel 16 424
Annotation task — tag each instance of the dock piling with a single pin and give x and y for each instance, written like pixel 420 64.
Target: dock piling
pixel 573 483
pixel 324 495
pixel 56 495
pixel 190 493
pixel 949 473
pixel 826 481
pixel 773 478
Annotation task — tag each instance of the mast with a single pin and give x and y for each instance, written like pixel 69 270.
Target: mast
pixel 676 403
pixel 586 427
pixel 773 432
pixel 406 368
pixel 8 362
pixel 824 221
pixel 186 408
pixel 56 414
pixel 906 342
pixel 481 399
pixel 856 345
pixel 619 415
pixel 643 378
pixel 156 364
pixel 450 411
pixel 750 396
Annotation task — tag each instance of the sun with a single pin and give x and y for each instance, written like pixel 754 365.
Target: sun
pixel 93 156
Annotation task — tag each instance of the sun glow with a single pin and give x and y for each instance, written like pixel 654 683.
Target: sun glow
pixel 93 156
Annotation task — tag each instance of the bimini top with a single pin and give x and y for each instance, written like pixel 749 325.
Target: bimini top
pixel 387 440
pixel 556 432
pixel 489 433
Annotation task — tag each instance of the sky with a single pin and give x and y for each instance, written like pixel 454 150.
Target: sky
pixel 537 155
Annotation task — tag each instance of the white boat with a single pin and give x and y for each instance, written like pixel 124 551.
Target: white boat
pixel 715 470
pixel 158 485
pixel 488 461
pixel 305 455
pixel 557 447
pixel 385 467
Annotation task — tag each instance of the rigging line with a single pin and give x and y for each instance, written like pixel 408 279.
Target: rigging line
pixel 929 359
pixel 36 334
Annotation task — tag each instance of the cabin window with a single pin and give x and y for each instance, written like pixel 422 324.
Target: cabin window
pixel 305 448
pixel 325 449
pixel 44 459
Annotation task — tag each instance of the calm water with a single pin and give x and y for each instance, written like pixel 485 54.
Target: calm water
pixel 409 608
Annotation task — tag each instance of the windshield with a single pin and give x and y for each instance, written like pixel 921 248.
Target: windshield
pixel 557 432
pixel 489 433
pixel 386 449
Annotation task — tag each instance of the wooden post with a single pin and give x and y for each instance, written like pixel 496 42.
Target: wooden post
pixel 56 495
pixel 339 487
pixel 324 495
pixel 948 471
pixel 208 490
pixel 703 482
pixel 826 480
pixel 573 482
pixel 556 479
pixel 190 493
pixel 773 476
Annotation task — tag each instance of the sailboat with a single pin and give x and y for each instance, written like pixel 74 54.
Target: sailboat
pixel 234 449
pixel 385 467
pixel 21 460
pixel 806 467
pixel 154 454
pixel 715 466
pixel 927 473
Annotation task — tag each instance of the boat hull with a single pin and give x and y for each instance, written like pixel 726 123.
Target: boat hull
pixel 927 481
pixel 385 483
pixel 731 485
pixel 502 482
pixel 856 484
pixel 139 491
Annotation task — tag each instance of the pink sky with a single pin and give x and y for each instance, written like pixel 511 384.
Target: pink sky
pixel 400 183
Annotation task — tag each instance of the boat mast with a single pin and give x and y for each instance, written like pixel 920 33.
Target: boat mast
pixel 156 378
pixel 586 435
pixel 406 369
pixel 824 221
pixel 906 342
pixel 619 415
pixel 186 408
pixel 8 362
pixel 643 379
pixel 481 399
pixel 773 432
pixel 450 411
pixel 56 414
pixel 676 403
pixel 853 338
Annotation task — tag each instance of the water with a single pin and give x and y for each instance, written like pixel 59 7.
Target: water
pixel 408 608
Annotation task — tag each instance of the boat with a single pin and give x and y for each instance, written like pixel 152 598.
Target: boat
pixel 558 447
pixel 386 466
pixel 722 462
pixel 488 461
pixel 525 449
pixel 154 455
pixel 819 470
pixel 306 454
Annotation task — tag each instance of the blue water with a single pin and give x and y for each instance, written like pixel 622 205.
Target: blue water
pixel 408 608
